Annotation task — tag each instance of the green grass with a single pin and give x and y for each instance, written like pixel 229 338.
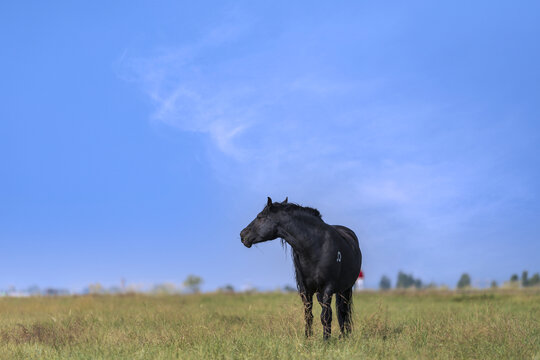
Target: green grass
pixel 407 325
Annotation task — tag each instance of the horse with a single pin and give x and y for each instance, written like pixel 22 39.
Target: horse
pixel 327 258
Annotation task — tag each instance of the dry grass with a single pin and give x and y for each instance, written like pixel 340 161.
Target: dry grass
pixel 418 325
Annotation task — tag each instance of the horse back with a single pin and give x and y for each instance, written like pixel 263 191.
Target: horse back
pixel 349 236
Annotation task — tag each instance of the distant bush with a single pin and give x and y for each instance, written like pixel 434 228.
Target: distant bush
pixel 385 283
pixel 228 289
pixel 535 280
pixel 193 283
pixel 405 281
pixel 526 281
pixel 289 288
pixel 464 281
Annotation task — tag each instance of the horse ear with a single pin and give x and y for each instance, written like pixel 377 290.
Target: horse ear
pixel 269 203
pixel 286 200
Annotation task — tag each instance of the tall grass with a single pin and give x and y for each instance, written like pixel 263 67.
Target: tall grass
pixel 400 325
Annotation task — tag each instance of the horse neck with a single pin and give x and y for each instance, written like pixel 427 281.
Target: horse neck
pixel 301 231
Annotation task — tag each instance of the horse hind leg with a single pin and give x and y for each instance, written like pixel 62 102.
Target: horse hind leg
pixel 344 309
pixel 340 303
pixel 325 300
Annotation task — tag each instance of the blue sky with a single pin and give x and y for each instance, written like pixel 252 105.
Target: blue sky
pixel 139 138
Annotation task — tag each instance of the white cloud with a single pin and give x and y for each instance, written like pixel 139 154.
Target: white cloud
pixel 388 168
pixel 269 139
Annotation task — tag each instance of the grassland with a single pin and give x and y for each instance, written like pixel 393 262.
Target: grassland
pixel 408 325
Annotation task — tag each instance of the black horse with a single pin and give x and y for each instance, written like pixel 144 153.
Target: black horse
pixel 327 258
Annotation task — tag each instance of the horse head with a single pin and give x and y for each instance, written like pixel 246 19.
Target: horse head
pixel 264 227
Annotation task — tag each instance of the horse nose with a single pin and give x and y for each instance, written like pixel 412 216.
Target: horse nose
pixel 243 234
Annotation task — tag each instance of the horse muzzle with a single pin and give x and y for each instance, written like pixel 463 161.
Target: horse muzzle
pixel 245 239
pixel 247 242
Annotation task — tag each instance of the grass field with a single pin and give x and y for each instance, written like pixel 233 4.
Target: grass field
pixel 408 325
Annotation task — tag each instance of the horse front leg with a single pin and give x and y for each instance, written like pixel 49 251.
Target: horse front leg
pixel 326 314
pixel 307 299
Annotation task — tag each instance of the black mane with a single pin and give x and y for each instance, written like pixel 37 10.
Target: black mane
pixel 306 209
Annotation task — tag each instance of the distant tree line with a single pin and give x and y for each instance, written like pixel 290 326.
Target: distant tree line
pixel 525 280
pixel 406 281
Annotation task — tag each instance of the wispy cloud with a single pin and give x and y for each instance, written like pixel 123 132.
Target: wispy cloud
pixel 280 128
pixel 393 164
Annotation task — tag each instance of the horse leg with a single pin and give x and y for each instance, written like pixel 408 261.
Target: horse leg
pixel 340 304
pixel 343 307
pixel 307 299
pixel 325 300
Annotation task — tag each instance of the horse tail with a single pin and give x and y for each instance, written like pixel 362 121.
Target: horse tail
pixel 344 302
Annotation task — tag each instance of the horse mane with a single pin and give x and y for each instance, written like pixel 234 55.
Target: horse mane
pixel 290 207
